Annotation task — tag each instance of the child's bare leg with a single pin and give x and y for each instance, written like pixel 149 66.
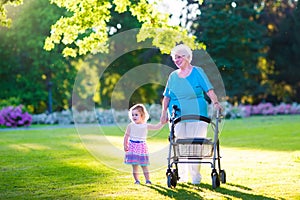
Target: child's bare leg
pixel 146 174
pixel 135 172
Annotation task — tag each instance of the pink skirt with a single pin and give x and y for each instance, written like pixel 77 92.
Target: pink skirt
pixel 137 153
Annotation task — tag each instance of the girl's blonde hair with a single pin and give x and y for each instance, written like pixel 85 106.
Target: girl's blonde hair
pixel 182 50
pixel 141 109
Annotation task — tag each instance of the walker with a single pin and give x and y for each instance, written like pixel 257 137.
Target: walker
pixel 194 150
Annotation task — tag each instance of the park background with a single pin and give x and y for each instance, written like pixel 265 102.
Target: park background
pixel 254 44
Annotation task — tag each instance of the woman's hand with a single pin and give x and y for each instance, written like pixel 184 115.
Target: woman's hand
pixel 218 106
pixel 164 118
pixel 213 97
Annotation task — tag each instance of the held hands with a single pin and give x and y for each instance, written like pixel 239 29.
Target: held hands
pixel 164 118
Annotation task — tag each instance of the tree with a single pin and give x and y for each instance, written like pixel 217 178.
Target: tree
pixel 84 29
pixel 110 76
pixel 285 52
pixel 28 68
pixel 235 41
pixel 4 21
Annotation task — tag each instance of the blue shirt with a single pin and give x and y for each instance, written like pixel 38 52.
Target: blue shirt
pixel 187 93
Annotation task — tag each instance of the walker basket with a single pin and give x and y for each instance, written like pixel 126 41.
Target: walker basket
pixel 194 147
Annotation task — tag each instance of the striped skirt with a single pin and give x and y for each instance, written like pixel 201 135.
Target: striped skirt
pixel 137 153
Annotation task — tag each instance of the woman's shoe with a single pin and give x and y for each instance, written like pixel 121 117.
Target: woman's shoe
pixel 137 182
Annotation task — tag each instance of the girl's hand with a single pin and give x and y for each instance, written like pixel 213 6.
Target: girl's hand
pixel 125 148
pixel 164 118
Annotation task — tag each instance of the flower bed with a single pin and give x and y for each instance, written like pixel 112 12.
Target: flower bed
pixel 261 109
pixel 100 116
pixel 14 117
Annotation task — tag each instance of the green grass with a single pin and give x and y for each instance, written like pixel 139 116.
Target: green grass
pixel 261 156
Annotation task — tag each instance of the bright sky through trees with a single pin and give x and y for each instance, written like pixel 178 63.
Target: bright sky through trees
pixel 177 8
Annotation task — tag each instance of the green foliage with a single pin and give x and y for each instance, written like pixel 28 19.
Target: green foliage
pixel 285 52
pixel 26 66
pixel 87 93
pixel 85 30
pixel 12 101
pixel 235 40
pixel 4 21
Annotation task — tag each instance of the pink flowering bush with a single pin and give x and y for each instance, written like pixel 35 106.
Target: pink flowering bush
pixel 246 110
pixel 295 108
pixel 241 110
pixel 269 109
pixel 14 117
pixel 263 109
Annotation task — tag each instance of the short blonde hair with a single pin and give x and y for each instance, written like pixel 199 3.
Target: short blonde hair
pixel 141 109
pixel 182 50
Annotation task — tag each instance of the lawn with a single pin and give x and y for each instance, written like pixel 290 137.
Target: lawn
pixel 261 156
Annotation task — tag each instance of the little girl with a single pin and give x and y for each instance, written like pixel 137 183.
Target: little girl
pixel 135 147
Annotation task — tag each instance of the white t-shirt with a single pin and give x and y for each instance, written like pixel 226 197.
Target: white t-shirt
pixel 138 132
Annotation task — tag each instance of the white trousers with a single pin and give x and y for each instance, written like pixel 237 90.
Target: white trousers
pixel 190 130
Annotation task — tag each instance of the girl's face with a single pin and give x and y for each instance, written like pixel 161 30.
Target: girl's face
pixel 137 117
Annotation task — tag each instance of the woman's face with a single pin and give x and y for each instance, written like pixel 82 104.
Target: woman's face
pixel 137 117
pixel 180 61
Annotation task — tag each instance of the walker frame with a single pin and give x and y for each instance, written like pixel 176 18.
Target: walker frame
pixel 194 150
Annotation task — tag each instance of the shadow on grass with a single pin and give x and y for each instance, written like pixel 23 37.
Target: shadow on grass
pixel 190 191
pixel 239 186
pixel 182 192
pixel 235 193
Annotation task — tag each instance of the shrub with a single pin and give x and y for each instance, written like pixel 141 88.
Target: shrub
pixel 265 108
pixel 12 101
pixel 269 109
pixel 112 116
pixel 14 117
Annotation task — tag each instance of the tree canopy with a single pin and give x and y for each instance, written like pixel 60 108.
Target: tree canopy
pixel 4 21
pixel 84 29
pixel 254 44
pixel 235 40
pixel 285 52
pixel 29 69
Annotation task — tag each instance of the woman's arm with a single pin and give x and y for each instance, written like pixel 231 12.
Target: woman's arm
pixel 164 115
pixel 213 97
pixel 126 138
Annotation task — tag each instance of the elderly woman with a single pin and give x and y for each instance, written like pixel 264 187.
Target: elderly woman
pixel 185 88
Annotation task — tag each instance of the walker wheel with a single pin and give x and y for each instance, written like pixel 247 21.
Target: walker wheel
pixel 215 179
pixel 174 178
pixel 171 179
pixel 223 176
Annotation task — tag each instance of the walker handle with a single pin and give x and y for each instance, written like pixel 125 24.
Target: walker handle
pixel 219 115
pixel 175 109
pixel 192 117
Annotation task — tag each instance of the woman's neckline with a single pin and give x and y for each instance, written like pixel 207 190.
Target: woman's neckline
pixel 185 75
